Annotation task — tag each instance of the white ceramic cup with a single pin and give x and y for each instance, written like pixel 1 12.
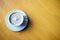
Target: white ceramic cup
pixel 16 19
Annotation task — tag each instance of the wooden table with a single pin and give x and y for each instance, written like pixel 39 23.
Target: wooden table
pixel 44 19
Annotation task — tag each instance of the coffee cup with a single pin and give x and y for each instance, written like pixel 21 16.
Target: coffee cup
pixel 16 19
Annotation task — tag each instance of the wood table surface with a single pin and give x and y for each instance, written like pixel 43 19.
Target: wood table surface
pixel 44 19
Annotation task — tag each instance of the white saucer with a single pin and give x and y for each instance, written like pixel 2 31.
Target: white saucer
pixel 16 27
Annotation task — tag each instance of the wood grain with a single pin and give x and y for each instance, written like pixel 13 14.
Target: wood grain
pixel 44 19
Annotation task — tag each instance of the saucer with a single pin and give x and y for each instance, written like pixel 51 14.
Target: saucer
pixel 16 27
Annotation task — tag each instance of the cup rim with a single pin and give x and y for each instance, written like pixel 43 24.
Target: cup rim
pixel 22 19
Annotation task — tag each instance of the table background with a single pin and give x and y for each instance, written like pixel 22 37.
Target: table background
pixel 44 19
